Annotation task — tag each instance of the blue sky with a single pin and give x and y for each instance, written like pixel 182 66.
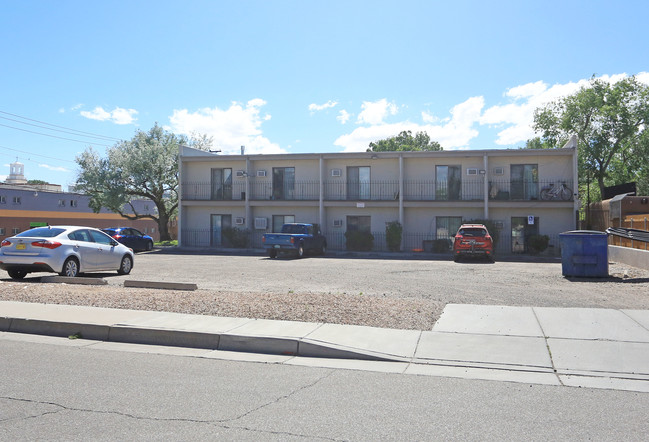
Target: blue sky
pixel 296 76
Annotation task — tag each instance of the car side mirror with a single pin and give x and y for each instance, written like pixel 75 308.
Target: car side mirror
pixel 114 243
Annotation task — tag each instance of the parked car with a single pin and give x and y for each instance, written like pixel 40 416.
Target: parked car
pixel 131 237
pixel 295 239
pixel 67 250
pixel 473 240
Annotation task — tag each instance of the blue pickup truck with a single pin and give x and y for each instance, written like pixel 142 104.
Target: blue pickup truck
pixel 295 239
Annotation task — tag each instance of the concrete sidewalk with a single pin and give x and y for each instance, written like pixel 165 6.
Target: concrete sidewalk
pixel 579 347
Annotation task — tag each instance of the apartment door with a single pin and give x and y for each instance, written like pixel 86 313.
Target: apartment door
pixel 524 181
pixel 522 228
pixel 448 182
pixel 283 183
pixel 221 184
pixel 358 183
pixel 217 224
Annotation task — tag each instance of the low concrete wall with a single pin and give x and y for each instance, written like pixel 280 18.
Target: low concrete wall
pixel 633 257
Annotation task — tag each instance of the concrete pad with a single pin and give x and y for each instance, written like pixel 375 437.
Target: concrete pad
pixel 76 280
pixel 487 374
pixel 351 364
pixel 590 323
pixel 606 383
pixel 488 319
pixel 640 316
pixel 185 322
pixel 385 341
pixel 161 285
pixel 66 313
pixel 279 329
pixel 600 356
pixel 524 351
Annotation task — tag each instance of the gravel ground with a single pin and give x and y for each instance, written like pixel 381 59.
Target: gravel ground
pixel 390 293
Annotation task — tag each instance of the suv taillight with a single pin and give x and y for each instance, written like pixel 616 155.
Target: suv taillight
pixel 46 244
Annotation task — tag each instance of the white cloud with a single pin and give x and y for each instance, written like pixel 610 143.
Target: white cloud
pixel 239 125
pixel 54 168
pixel 318 107
pixel 375 112
pixel 343 116
pixel 117 115
pixel 3 177
pixel 452 133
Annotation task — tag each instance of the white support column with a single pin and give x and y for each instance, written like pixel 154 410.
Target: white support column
pixel 485 182
pixel 247 202
pixel 401 215
pixel 180 196
pixel 321 209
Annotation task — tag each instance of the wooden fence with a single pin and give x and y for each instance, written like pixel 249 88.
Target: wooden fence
pixel 632 222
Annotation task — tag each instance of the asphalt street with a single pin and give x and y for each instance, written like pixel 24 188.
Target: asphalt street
pixel 53 389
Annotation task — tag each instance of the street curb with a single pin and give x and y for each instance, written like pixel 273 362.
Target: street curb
pixel 189 339
pixel 75 280
pixel 161 285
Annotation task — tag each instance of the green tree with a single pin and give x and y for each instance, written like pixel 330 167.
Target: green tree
pixel 538 143
pixel 610 122
pixel 145 166
pixel 405 142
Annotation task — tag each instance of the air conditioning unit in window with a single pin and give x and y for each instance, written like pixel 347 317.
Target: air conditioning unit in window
pixel 240 173
pixel 499 170
pixel 239 220
pixel 336 172
pixel 338 223
pixel 471 171
pixel 261 173
pixel 261 223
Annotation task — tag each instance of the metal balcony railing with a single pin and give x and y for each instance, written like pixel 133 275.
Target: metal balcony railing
pixel 413 190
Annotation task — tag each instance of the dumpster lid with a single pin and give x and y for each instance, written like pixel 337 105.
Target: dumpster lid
pixel 584 232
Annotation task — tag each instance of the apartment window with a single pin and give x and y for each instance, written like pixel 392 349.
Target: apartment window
pixel 447 226
pixel 221 184
pixel 524 181
pixel 280 220
pixel 2 231
pixel 73 203
pixel 363 223
pixel 283 183
pixel 61 203
pixel 448 182
pixel 15 231
pixel 2 199
pixel 16 200
pixel 217 224
pixel 146 207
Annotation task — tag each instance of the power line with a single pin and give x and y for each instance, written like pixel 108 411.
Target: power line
pixel 36 155
pixel 57 130
pixel 54 136
pixel 90 134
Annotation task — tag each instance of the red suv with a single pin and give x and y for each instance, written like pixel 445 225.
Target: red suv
pixel 474 240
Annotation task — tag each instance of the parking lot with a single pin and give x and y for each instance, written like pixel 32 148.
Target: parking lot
pixel 383 291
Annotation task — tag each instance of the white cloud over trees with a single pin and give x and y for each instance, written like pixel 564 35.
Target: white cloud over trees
pixel 118 115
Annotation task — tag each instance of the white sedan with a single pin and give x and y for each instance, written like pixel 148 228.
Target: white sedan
pixel 67 250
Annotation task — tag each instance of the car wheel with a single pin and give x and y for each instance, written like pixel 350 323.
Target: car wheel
pixel 70 268
pixel 272 254
pixel 300 251
pixel 125 266
pixel 149 246
pixel 17 274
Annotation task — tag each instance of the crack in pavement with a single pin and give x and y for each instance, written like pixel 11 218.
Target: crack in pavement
pixel 220 423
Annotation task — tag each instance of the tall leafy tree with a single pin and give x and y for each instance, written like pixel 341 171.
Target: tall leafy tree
pixel 405 142
pixel 145 166
pixel 610 122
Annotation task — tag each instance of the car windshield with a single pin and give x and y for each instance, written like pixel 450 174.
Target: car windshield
pixel 473 232
pixel 42 232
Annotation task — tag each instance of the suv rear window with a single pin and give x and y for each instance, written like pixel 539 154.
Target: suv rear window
pixel 472 232
pixel 42 232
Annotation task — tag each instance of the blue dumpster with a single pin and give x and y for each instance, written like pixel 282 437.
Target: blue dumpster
pixel 584 253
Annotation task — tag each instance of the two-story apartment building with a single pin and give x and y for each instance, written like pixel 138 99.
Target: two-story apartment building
pixel 429 193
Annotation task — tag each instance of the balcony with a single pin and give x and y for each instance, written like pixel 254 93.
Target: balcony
pixel 413 190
